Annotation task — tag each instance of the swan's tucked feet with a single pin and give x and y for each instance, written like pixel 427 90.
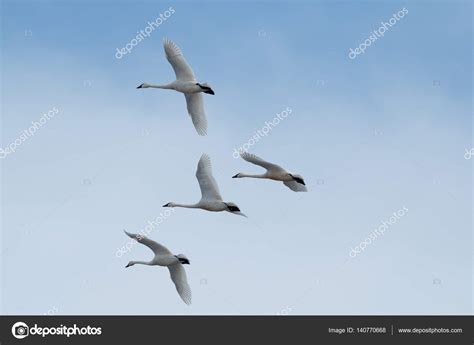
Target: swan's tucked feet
pixel 206 88
pixel 183 260
pixel 298 179
pixel 232 207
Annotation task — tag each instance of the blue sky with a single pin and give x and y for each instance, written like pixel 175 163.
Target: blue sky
pixel 371 135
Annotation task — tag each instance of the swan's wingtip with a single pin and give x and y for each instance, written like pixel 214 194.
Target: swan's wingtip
pixel 244 154
pixel 202 131
pixel 167 41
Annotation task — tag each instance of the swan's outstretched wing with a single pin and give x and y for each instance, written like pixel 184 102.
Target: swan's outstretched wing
pixel 178 276
pixel 264 164
pixel 195 105
pixel 209 188
pixel 157 248
pixel 175 57
pixel 295 186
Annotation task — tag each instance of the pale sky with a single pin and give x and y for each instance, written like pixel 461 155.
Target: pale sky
pixel 371 136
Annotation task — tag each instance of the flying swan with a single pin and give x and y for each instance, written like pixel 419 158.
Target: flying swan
pixel 274 172
pixel 163 257
pixel 211 199
pixel 186 83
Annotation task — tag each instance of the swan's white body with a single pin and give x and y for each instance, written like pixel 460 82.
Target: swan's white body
pixel 274 172
pixel 211 199
pixel 185 83
pixel 163 257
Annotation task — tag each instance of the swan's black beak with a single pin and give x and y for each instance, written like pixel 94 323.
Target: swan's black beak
pixel 140 86
pixel 210 91
pixel 235 176
pixel 166 205
pixel 128 265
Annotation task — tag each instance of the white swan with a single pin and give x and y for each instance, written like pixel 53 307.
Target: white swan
pixel 163 257
pixel 211 199
pixel 186 83
pixel 274 172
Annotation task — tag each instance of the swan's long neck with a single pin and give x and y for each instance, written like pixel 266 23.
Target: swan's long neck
pixel 142 263
pixel 161 86
pixel 252 175
pixel 186 206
